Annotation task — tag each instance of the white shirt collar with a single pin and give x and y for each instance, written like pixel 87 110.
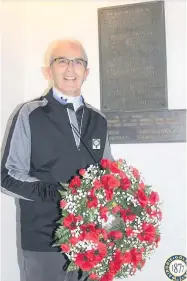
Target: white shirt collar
pixel 76 101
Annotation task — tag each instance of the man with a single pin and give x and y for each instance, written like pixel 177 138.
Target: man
pixel 50 139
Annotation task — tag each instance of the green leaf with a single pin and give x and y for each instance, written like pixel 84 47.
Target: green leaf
pixel 72 267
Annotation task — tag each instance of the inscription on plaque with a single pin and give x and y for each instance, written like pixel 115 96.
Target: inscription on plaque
pixel 132 57
pixel 147 127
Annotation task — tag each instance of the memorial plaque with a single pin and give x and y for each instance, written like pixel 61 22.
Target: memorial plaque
pixel 132 53
pixel 147 127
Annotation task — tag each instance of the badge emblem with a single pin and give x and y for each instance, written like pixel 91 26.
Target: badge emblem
pixel 96 143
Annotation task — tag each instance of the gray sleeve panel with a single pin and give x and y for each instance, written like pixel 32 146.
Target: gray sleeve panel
pixel 107 154
pixel 18 161
pixel 15 177
pixel 95 109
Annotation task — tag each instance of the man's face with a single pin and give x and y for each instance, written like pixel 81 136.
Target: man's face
pixel 68 76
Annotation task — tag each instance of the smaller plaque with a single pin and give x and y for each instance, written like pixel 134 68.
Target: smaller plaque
pixel 147 126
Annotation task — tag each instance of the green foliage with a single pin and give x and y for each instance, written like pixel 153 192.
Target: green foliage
pixel 61 235
pixel 72 267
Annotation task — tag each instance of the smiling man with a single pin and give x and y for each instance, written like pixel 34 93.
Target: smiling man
pixel 49 140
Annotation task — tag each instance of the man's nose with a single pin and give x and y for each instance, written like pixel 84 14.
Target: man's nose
pixel 70 65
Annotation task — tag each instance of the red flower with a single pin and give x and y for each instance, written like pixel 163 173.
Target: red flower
pixel 94 276
pixel 84 262
pixel 129 231
pixel 89 232
pixel 116 263
pixel 109 194
pixel 65 248
pixel 82 172
pixel 153 198
pixel 110 181
pixel 141 185
pixel 105 163
pixel 142 198
pixel 127 215
pixel 133 256
pixel 125 183
pixel 114 168
pixel 97 184
pixel 136 173
pixel 148 233
pixel 102 233
pixel 114 235
pixel 116 209
pixel 127 257
pixel 75 182
pixel 100 253
pixel 63 204
pixel 107 277
pixel 71 221
pixel 92 201
pixel 74 240
pixel 136 257
pixel 103 213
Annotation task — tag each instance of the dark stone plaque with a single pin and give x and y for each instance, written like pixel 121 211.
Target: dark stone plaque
pixel 132 57
pixel 147 127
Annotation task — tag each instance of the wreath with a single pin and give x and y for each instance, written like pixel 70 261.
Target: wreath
pixel 110 222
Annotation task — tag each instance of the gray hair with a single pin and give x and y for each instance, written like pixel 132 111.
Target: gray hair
pixel 49 53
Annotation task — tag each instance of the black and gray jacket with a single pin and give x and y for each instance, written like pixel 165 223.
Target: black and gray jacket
pixel 44 148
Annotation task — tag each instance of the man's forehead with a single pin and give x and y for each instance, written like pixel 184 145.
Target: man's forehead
pixel 68 49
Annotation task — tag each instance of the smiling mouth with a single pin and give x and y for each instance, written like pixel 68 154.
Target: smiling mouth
pixel 70 78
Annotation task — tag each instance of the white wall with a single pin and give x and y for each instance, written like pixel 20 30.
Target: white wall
pixel 27 30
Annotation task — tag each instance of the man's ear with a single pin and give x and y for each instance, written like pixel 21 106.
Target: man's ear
pixel 87 71
pixel 46 72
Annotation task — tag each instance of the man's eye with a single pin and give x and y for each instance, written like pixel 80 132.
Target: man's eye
pixel 79 62
pixel 62 61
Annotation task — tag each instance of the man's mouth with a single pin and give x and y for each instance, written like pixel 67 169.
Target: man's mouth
pixel 70 78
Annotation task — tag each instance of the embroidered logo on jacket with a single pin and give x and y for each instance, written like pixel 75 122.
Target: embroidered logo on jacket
pixel 96 143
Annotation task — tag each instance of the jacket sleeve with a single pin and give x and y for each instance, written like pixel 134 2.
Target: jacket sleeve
pixel 15 165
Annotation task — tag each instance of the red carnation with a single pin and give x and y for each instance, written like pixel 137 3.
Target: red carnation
pixel 65 248
pixel 136 257
pixel 107 277
pixel 74 240
pixel 82 172
pixel 63 204
pixel 71 221
pixel 92 201
pixel 115 235
pixel 141 185
pixel 103 213
pixel 110 181
pixel 148 233
pixel 75 182
pixel 136 173
pixel 129 231
pixel 127 215
pixel 105 163
pixel 116 262
pixel 114 168
pixel 125 183
pixel 142 198
pixel 97 184
pixel 153 198
pixel 94 276
pixel 116 209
